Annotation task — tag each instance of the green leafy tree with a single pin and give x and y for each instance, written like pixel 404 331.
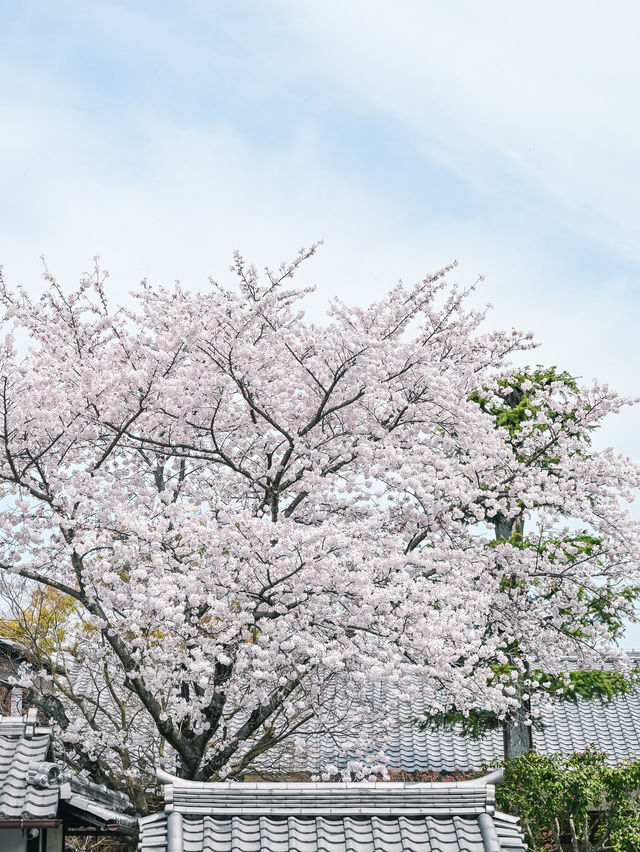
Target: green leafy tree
pixel 576 803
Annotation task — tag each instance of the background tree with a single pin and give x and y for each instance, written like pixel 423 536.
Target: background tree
pixel 247 508
pixel 78 690
pixel 564 524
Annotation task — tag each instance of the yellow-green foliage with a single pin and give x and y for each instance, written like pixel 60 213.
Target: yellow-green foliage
pixel 42 622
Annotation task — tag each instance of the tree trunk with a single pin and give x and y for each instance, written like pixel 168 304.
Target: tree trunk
pixel 516 734
pixel 507 527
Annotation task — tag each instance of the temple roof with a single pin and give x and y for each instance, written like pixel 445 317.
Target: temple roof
pixel 321 817
pixel 33 787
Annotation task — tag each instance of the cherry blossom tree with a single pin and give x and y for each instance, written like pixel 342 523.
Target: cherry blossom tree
pixel 252 513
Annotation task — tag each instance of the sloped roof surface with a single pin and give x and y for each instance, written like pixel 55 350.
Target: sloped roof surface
pixel 320 817
pixel 402 745
pixel 611 726
pixel 32 788
pixel 23 746
pixel 509 834
pixel 330 834
pixel 87 798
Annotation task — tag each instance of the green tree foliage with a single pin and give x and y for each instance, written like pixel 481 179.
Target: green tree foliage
pixel 569 686
pixel 576 803
pixel 541 409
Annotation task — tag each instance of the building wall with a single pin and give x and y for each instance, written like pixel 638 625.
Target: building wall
pixel 12 840
pixel 54 840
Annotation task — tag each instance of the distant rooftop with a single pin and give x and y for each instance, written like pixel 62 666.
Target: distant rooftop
pixel 610 726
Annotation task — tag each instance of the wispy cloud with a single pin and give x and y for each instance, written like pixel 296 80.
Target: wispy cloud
pixel 550 87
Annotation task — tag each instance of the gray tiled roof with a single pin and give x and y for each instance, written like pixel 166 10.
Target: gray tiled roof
pixel 23 794
pixel 332 834
pixel 402 745
pixel 91 799
pixel 320 817
pixel 32 788
pixel 572 664
pixel 321 799
pixel 611 726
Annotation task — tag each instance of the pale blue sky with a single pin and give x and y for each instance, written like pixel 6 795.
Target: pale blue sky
pixel 163 135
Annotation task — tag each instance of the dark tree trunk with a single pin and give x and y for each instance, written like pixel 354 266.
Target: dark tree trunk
pixel 507 527
pixel 516 734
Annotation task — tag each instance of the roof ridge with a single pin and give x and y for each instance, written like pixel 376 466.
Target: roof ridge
pixel 316 798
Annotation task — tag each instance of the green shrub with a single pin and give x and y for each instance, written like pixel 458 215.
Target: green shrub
pixel 577 803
